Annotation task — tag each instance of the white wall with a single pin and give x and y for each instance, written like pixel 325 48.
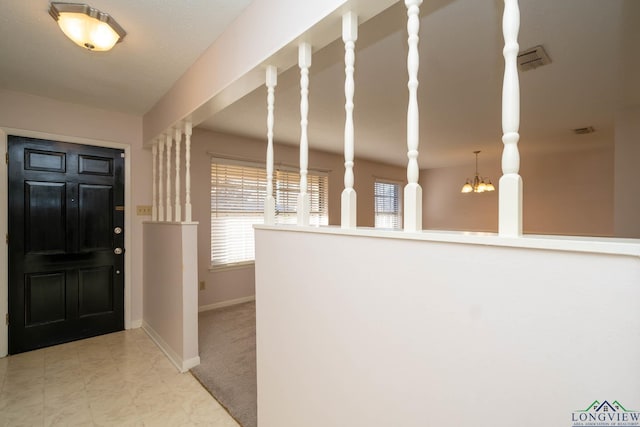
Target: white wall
pixel 43 117
pixel 445 208
pixel 239 283
pixel 566 193
pixel 370 331
pixel 170 289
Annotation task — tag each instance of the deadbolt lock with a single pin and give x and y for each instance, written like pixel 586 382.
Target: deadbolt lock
pixel 117 230
pixel 117 251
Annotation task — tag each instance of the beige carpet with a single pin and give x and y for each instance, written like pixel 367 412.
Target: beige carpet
pixel 228 359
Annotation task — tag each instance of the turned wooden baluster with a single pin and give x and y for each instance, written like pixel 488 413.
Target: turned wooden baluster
pixel 160 179
pixel 176 206
pixel 154 177
pixel 510 195
pixel 187 169
pixel 271 80
pixel 349 197
pixel 413 191
pixel 169 141
pixel 304 62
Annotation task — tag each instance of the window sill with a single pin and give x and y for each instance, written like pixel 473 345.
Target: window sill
pixel 228 267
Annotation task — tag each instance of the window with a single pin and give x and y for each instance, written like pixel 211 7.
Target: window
pixel 287 186
pixel 387 204
pixel 238 190
pixel 237 201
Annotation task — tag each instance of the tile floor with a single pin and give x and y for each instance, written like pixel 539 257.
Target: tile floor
pixel 120 379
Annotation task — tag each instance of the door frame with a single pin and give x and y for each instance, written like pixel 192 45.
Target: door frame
pixel 4 211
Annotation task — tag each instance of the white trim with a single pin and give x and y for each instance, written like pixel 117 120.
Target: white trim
pixel 181 365
pixel 227 303
pixel 232 266
pixel 135 324
pixel 190 363
pixel 236 161
pixel 4 255
pixel 4 283
pixel 377 178
pixel 223 159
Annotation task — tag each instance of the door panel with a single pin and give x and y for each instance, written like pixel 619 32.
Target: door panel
pixel 37 160
pixel 65 281
pixel 44 298
pixel 95 291
pixel 95 216
pixel 95 165
pixel 45 217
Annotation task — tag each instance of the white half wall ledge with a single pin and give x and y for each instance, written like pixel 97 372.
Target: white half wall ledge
pixel 596 245
pixel 214 81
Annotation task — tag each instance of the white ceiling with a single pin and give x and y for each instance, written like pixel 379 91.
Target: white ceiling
pixel 164 37
pixel 594 46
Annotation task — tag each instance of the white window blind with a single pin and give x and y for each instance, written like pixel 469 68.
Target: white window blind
pixel 287 187
pixel 237 203
pixel 387 204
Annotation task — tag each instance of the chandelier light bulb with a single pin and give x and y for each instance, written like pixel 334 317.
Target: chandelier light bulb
pixel 467 188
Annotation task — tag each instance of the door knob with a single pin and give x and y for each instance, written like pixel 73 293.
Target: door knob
pixel 117 251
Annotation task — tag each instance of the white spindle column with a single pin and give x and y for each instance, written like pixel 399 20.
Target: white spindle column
pixel 160 179
pixel 349 199
pixel 187 173
pixel 154 178
pixel 413 191
pixel 168 203
pixel 510 196
pixel 304 62
pixel 176 206
pixel 271 80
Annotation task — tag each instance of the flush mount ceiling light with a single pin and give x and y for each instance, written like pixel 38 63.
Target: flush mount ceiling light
pixel 86 26
pixel 478 185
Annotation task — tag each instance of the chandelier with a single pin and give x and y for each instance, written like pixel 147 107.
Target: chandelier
pixel 478 185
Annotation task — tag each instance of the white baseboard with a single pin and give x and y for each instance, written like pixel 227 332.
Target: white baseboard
pixel 135 324
pixel 181 365
pixel 191 363
pixel 226 303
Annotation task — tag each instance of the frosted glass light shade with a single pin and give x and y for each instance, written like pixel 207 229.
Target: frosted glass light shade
pixel 87 27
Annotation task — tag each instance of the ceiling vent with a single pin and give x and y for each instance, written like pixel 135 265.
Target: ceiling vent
pixel 584 131
pixel 533 58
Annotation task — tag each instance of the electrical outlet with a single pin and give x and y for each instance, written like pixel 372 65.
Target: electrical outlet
pixel 201 285
pixel 143 210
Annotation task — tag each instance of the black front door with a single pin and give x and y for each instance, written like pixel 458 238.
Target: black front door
pixel 66 242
